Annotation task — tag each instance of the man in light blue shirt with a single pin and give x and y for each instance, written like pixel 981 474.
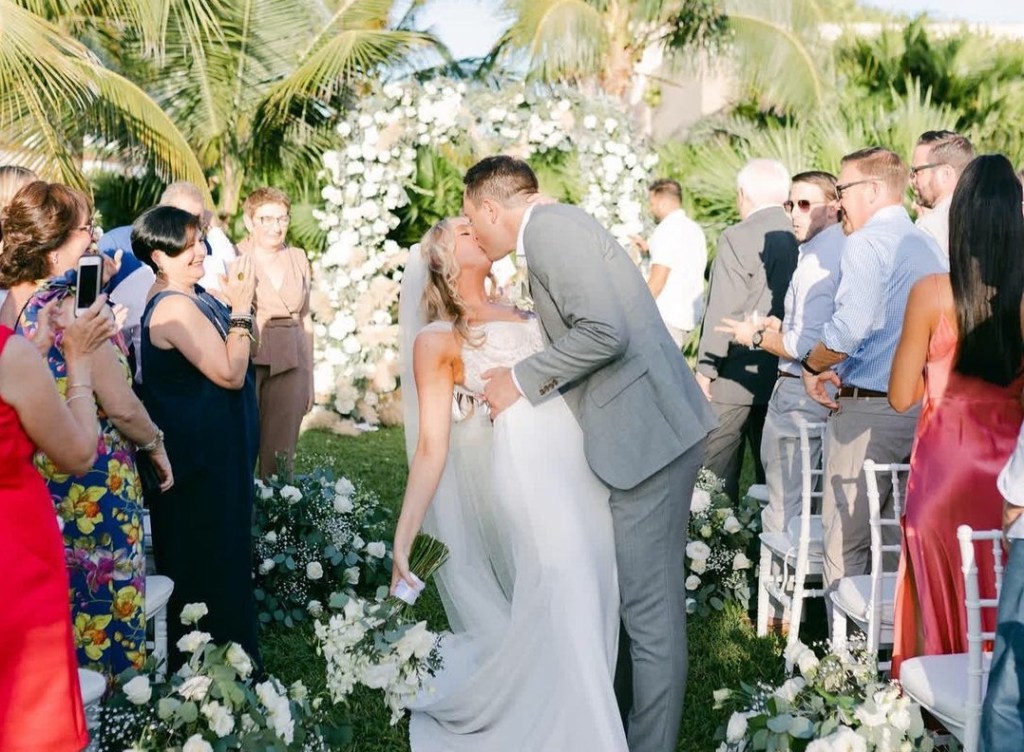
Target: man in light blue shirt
pixel 885 254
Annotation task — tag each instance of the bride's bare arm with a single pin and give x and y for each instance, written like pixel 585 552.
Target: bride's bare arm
pixel 434 357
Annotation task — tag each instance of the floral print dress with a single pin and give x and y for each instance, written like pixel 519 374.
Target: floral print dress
pixel 102 516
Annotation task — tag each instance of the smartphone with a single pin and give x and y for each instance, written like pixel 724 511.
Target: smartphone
pixel 90 277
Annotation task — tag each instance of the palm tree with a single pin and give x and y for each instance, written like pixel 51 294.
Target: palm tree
pixel 55 94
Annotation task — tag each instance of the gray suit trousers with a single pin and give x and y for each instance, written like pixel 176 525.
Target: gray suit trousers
pixel 650 524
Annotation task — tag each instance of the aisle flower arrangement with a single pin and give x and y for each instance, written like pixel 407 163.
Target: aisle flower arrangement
pixel 212 703
pixel 314 534
pixel 371 178
pixel 720 535
pixel 836 702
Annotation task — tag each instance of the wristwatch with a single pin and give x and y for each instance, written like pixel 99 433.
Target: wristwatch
pixel 803 364
pixel 756 339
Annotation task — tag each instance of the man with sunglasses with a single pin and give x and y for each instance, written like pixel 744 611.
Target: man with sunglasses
pixel 936 164
pixel 810 301
pixel 884 255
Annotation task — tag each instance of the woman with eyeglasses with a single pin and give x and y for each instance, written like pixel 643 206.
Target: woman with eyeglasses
pixel 47 229
pixel 284 358
pixel 198 382
pixel 960 350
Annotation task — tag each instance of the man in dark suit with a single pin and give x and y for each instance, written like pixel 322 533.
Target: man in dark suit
pixel 749 277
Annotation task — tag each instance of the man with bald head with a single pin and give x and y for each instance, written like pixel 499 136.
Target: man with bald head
pixel 749 276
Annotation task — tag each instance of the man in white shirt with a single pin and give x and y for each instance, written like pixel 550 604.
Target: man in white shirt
pixel 679 255
pixel 935 167
pixel 810 302
pixel 1002 716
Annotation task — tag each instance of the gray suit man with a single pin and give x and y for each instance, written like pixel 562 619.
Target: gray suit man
pixel 644 419
pixel 750 274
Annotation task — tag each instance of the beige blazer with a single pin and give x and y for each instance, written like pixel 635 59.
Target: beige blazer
pixel 280 313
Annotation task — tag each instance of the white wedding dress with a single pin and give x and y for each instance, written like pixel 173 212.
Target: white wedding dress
pixel 529 665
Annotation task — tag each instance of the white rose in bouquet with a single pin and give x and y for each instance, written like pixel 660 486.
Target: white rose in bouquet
pixel 195 688
pixel 692 582
pixel 342 504
pixel 380 675
pixel 220 719
pixel 291 494
pixel 239 660
pixel 731 525
pixel 138 690
pixel 417 642
pixel 193 641
pixel 699 566
pixel 740 561
pixel 358 543
pixel 737 728
pixel 196 743
pixel 700 501
pixel 266 565
pixel 271 537
pixel 352 576
pixel 315 608
pixel 314 570
pixel 698 550
pixel 344 487
pixel 376 549
pixel 193 612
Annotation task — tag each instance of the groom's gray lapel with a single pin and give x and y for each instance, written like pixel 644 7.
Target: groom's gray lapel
pixel 609 352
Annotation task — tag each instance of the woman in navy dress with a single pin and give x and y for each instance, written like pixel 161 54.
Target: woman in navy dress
pixel 198 383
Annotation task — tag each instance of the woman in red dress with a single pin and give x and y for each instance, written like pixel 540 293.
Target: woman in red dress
pixel 40 701
pixel 961 350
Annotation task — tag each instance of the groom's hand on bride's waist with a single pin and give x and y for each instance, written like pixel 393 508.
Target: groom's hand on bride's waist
pixel 500 390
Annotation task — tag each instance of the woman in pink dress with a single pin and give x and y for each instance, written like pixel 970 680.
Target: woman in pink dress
pixel 961 351
pixel 40 700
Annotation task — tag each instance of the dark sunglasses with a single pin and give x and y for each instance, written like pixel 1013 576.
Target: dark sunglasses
pixel 842 187
pixel 803 205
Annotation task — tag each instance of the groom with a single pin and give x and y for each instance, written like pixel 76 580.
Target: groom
pixel 643 416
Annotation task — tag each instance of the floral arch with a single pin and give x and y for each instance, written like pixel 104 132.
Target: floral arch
pixel 381 186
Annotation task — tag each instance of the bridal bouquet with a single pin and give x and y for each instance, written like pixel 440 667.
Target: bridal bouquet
pixel 212 702
pixel 313 534
pixel 370 643
pixel 835 703
pixel 720 535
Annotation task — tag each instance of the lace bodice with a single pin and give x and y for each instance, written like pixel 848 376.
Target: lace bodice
pixel 505 344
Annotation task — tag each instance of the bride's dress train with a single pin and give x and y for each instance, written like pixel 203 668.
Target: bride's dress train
pixel 531 582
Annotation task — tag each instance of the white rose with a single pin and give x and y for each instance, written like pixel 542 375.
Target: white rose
pixel 352 576
pixel 418 641
pixel 700 501
pixel 790 689
pixel 705 531
pixel 731 525
pixel 692 582
pixel 239 660
pixel 740 561
pixel 358 543
pixel 291 494
pixel 376 549
pixel 193 612
pixel 342 504
pixel 698 550
pixel 196 743
pixel 138 691
pixel 737 728
pixel 380 676
pixel 193 641
pixel 195 688
pixel 698 566
pixel 315 608
pixel 344 487
pixel 266 565
pixel 220 719
pixel 314 570
pixel 270 537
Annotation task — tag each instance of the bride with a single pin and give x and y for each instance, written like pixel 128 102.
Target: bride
pixel 530 589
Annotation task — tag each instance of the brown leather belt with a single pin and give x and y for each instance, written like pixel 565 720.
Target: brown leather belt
pixel 785 375
pixel 856 391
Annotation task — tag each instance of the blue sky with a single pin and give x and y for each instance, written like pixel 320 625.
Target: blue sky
pixel 470 27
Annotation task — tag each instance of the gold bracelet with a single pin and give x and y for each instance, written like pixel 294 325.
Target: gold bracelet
pixel 243 331
pixel 157 441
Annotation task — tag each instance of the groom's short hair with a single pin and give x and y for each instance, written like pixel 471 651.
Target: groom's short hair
pixel 499 177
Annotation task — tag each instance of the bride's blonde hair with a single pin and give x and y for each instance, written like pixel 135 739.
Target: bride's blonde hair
pixel 441 295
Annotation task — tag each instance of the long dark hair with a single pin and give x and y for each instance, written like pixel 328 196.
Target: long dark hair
pixel 986 268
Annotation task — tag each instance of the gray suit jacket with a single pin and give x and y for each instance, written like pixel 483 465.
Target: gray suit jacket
pixel 609 352
pixel 751 272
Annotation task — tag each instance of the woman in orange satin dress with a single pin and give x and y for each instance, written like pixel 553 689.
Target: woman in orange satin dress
pixel 961 349
pixel 40 700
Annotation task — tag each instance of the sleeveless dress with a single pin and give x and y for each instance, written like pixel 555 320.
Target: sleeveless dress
pixel 103 535
pixel 537 675
pixel 202 535
pixel 40 700
pixel 967 430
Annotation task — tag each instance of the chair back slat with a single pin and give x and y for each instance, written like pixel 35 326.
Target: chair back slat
pixel 976 635
pixel 897 474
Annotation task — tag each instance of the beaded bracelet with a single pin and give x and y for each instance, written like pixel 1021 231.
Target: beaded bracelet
pixel 157 441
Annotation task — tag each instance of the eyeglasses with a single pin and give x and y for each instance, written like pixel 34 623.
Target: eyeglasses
pixel 930 165
pixel 268 222
pixel 842 187
pixel 803 205
pixel 87 227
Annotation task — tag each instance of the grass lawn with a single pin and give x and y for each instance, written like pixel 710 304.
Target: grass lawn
pixel 723 648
